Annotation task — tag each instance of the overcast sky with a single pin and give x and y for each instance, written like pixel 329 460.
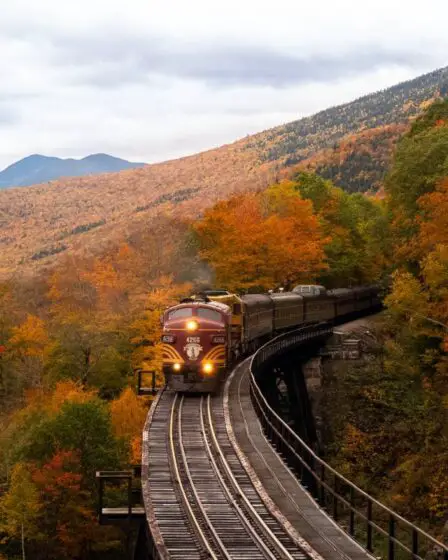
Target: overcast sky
pixel 150 80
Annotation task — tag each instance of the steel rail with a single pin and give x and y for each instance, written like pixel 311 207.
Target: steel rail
pixel 197 508
pixel 193 486
pixel 178 478
pixel 277 545
pixel 255 537
pixel 233 534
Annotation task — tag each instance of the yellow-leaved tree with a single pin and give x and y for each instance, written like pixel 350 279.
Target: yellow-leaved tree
pixel 28 345
pixel 146 329
pixel 20 507
pixel 128 414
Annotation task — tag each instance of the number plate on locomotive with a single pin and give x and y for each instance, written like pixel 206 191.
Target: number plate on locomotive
pixel 170 338
pixel 218 340
pixel 193 339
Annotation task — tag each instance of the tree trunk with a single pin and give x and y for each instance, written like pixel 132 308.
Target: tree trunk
pixel 87 354
pixel 23 543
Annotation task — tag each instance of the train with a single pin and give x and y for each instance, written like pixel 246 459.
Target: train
pixel 207 333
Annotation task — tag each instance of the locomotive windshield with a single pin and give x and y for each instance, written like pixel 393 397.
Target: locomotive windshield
pixel 209 314
pixel 202 312
pixel 181 313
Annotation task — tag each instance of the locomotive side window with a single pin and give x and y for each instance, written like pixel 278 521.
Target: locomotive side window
pixel 209 314
pixel 181 313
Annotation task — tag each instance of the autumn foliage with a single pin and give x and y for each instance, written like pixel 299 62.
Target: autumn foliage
pixel 71 341
pixel 66 506
pixel 56 441
pixel 260 241
pixel 128 414
pixel 392 439
pixel 72 337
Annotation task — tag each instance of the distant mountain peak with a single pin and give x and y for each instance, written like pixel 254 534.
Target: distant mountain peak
pixel 100 155
pixel 38 168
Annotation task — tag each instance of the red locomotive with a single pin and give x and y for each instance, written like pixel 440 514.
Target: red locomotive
pixel 196 344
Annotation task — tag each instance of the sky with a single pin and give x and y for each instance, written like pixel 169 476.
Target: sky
pixel 159 79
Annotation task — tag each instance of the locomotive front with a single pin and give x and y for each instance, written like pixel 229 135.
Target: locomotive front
pixel 196 345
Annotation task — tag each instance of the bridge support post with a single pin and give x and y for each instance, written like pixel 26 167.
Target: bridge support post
pixel 143 549
pixel 285 390
pixel 269 382
pixel 300 410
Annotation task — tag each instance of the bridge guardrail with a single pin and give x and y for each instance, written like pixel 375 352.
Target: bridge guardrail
pixel 375 526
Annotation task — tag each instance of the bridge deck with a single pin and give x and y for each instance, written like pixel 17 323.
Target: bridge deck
pixel 289 498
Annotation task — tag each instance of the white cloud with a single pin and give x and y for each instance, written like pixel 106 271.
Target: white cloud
pixel 154 80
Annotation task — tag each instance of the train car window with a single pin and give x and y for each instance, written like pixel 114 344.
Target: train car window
pixel 237 309
pixel 209 314
pixel 181 313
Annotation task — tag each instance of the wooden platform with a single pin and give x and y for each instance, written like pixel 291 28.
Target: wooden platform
pixel 279 485
pixel 120 515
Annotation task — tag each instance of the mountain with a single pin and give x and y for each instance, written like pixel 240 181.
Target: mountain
pixel 351 143
pixel 40 169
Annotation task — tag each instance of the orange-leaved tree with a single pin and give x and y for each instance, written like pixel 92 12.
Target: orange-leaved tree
pixel 67 507
pixel 260 241
pixel 90 322
pixel 434 221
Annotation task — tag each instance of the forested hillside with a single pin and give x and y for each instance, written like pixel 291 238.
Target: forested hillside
pixel 294 141
pixel 88 215
pixel 69 343
pixel 390 416
pixel 358 162
pixel 351 144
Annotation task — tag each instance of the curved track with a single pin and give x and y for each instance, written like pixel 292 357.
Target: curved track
pixel 203 504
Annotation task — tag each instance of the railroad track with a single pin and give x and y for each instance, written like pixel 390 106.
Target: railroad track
pixel 203 502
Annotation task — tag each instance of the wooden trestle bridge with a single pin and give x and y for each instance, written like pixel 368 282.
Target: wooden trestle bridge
pixel 225 477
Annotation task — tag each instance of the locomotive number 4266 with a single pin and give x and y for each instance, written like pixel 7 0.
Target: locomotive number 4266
pixel 193 339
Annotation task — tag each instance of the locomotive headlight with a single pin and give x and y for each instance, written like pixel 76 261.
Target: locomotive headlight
pixel 191 325
pixel 207 367
pixel 177 367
